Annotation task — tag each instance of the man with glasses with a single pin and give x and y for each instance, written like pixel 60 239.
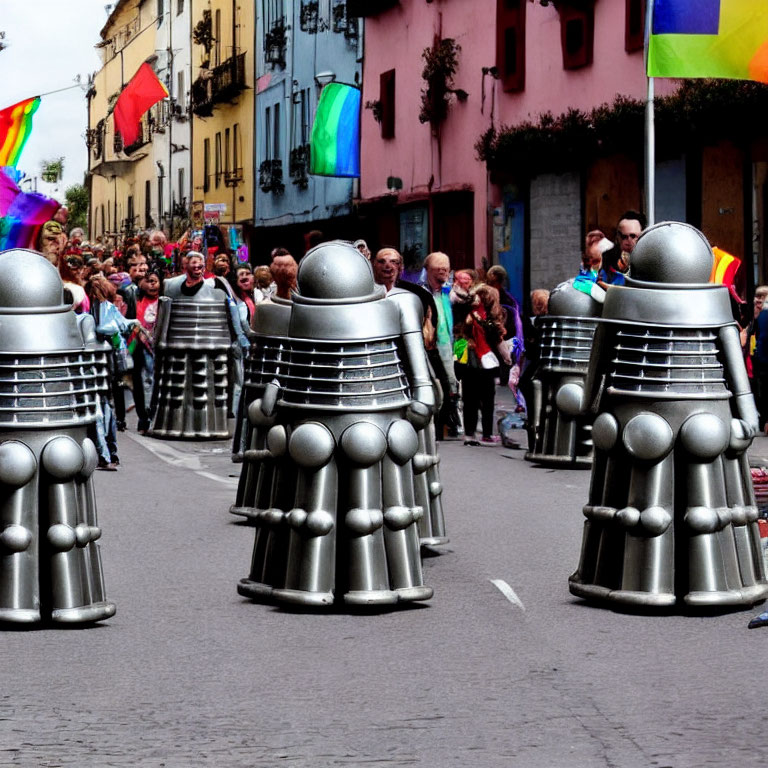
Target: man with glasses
pixel 616 265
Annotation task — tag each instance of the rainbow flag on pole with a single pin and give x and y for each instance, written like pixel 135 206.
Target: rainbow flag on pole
pixel 709 38
pixel 335 138
pixel 15 127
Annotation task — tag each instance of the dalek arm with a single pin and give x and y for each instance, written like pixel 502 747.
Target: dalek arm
pixel 736 375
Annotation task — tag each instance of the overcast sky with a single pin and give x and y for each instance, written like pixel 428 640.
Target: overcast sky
pixel 49 43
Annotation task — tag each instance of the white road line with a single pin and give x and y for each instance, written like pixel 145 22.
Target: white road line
pixel 175 458
pixel 508 592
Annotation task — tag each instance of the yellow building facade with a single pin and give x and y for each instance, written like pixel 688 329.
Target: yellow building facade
pixel 121 178
pixel 222 108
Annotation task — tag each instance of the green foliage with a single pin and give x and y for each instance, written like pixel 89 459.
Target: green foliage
pixel 699 112
pixel 202 34
pixel 440 64
pixel 51 170
pixel 76 198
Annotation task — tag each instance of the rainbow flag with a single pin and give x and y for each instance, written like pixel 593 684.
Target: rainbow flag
pixel 22 214
pixel 709 38
pixel 335 138
pixel 15 127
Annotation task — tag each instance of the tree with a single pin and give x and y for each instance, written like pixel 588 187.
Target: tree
pixel 76 198
pixel 52 170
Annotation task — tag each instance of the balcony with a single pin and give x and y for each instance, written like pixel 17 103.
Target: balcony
pixel 271 177
pixel 218 85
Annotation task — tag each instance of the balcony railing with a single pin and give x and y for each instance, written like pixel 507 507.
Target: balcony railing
pixel 271 176
pixel 218 85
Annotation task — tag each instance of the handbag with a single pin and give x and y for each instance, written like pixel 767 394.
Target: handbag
pixel 489 360
pixel 123 361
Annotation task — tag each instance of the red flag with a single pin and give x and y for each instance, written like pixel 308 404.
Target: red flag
pixel 144 90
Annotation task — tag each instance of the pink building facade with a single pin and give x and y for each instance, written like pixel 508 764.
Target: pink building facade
pixel 423 187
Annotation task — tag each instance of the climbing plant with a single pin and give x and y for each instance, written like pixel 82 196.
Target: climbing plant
pixel 440 64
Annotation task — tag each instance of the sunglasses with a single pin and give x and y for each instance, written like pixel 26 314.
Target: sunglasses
pixel 630 236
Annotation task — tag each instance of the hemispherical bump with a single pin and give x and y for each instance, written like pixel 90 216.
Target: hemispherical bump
pixel 90 457
pixel 751 513
pixel 628 517
pixel 28 279
pixel 701 519
pixel 82 535
pixel 296 517
pixel 736 515
pixel 741 435
pixel 311 445
pixel 363 443
pixel 61 537
pixel 335 270
pixel 402 440
pixel 655 520
pixel 704 435
pixel 671 252
pixel 648 437
pixel 398 517
pixel 319 522
pixel 62 458
pixel 569 399
pixel 256 416
pixel 17 464
pixel 605 431
pixel 277 440
pixel 15 538
pixel 417 513
pixel 435 488
pixel 273 516
pixel 95 532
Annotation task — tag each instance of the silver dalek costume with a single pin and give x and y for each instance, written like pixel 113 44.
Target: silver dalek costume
pixel 192 350
pixel 342 415
pixel 555 436
pixel 52 370
pixel 671 515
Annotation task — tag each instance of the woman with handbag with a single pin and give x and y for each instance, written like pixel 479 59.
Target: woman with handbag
pixel 483 330
pixel 111 327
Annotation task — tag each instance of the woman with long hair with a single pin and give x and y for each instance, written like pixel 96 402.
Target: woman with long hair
pixel 483 329
pixel 72 270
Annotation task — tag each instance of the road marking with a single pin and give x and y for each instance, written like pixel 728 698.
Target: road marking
pixel 176 458
pixel 508 592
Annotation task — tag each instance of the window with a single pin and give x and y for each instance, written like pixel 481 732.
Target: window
pixel 160 11
pixel 226 153
pixel 236 147
pixel 206 165
pixel 510 44
pixel 179 7
pixel 103 230
pixel 634 27
pixel 577 27
pixel 217 40
pixel 181 95
pixel 147 203
pixel 130 214
pixel 306 115
pixel 276 134
pixel 272 13
pixel 160 209
pixel 181 191
pixel 387 99
pixel 217 159
pixel 268 133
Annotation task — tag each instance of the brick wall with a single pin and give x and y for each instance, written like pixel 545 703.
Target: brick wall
pixel 556 239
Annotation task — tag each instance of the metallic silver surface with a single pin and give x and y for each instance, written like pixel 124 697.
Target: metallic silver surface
pixel 671 515
pixel 351 389
pixel 560 431
pixel 192 352
pixel 52 370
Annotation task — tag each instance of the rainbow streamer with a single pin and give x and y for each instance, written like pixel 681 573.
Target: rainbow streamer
pixel 709 38
pixel 15 127
pixel 21 213
pixel 335 138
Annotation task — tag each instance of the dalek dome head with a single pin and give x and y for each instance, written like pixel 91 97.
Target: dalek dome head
pixel 567 301
pixel 671 252
pixel 28 281
pixel 335 270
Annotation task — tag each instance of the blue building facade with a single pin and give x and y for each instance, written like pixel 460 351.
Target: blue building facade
pixel 301 46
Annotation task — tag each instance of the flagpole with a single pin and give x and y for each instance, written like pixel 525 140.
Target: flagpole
pixel 650 129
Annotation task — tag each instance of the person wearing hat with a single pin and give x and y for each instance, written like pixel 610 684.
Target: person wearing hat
pixel 52 241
